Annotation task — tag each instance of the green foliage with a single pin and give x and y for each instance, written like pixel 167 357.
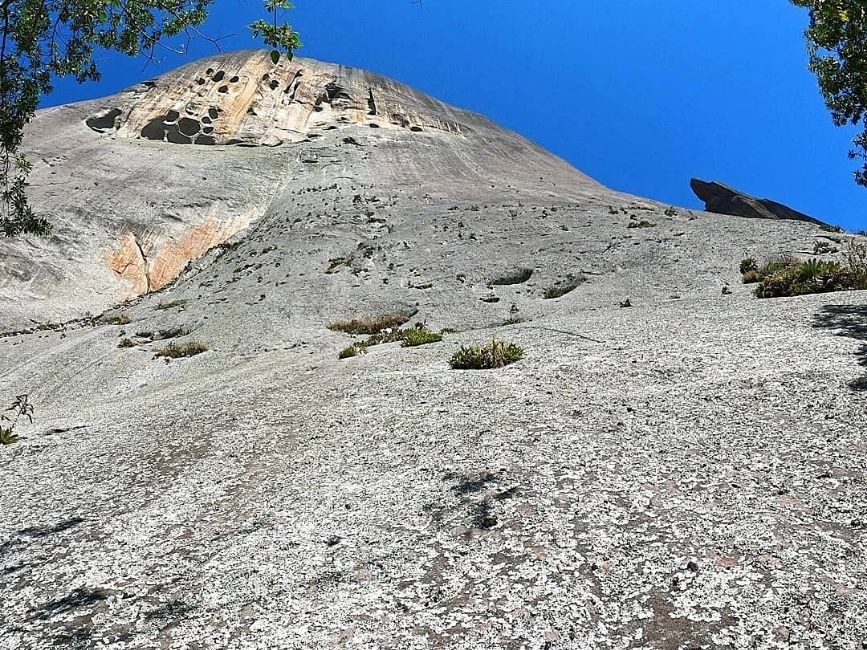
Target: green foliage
pixel 41 41
pixel 175 351
pixel 7 437
pixel 494 355
pixel 837 45
pixel 420 336
pixel 369 325
pixel 749 264
pixel 351 351
pixel 126 343
pixel 671 211
pixel 812 276
pixel 751 272
pixel 21 407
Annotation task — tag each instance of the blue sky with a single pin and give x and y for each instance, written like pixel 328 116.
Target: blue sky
pixel 640 94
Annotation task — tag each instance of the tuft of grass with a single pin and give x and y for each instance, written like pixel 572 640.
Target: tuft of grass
pixel 420 336
pixel 7 437
pixel 351 351
pixel 643 223
pixel 126 343
pixel 174 351
pixel 119 319
pixel 369 325
pixel 750 277
pixel 171 304
pixel 513 320
pixel 496 354
pixel 749 264
pixel 671 211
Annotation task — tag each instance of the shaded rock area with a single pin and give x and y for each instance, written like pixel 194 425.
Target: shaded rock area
pixel 723 199
pixel 690 472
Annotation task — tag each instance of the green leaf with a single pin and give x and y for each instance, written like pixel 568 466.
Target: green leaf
pixel 275 57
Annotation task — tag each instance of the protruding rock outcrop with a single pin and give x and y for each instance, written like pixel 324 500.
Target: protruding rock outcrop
pixel 723 199
pixel 244 98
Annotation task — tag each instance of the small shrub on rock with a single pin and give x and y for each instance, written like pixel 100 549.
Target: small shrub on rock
pixel 7 437
pixel 351 351
pixel 369 325
pixel 174 351
pixel 494 355
pixel 21 407
pixel 750 277
pixel 126 343
pixel 420 336
pixel 117 319
pixel 748 265
pixel 812 276
pixel 171 304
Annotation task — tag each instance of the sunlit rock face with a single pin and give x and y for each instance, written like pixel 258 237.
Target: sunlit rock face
pixel 673 463
pixel 244 98
pixel 134 202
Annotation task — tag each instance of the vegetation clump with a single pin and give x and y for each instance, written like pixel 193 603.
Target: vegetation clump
pixel 21 407
pixel 372 325
pixel 175 351
pixel 749 264
pixel 117 319
pixel 126 343
pixel 643 223
pixel 169 305
pixel 494 355
pixel 788 276
pixel 419 336
pixel 351 351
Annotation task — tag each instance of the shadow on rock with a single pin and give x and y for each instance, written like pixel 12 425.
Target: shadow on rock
pixel 73 601
pixel 851 321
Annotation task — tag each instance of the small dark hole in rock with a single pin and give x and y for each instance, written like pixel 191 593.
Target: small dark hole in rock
pixel 274 83
pixel 171 116
pixel 374 125
pixel 223 89
pixel 219 76
pixel 233 80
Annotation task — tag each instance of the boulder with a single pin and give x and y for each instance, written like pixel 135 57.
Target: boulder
pixel 723 199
